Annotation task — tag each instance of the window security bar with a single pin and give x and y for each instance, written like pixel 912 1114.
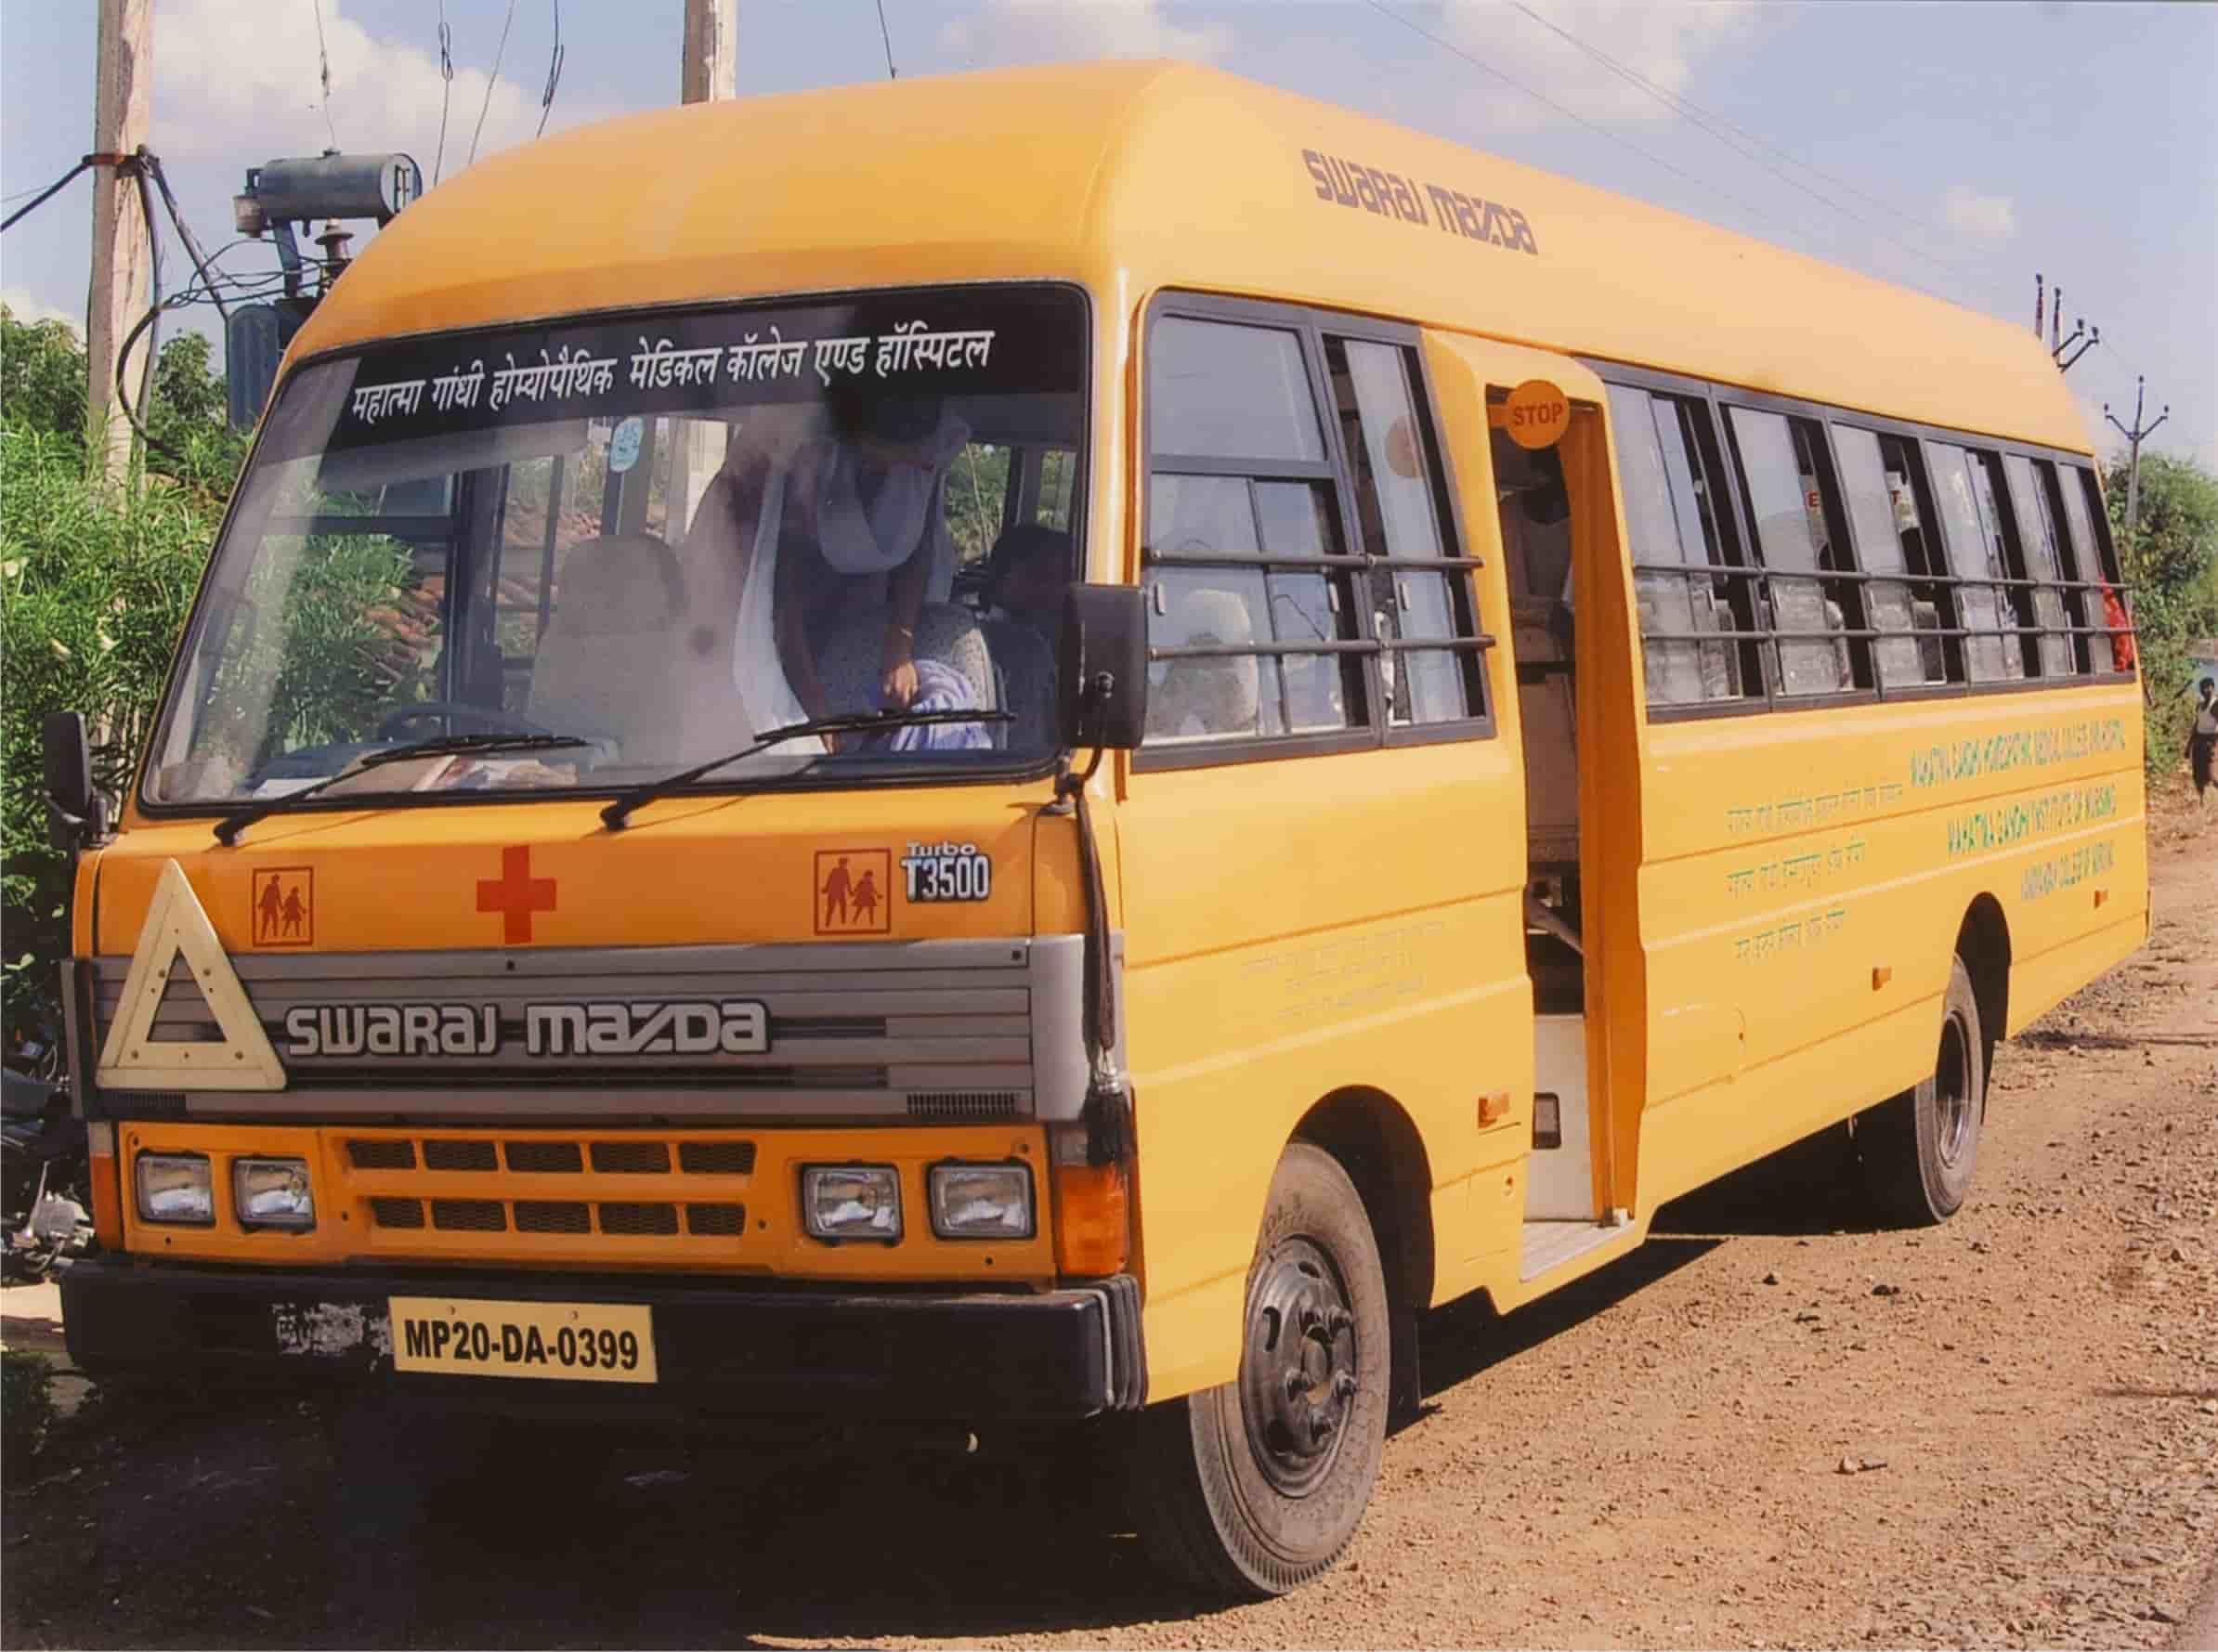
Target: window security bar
pixel 1269 559
pixel 1742 570
pixel 1351 645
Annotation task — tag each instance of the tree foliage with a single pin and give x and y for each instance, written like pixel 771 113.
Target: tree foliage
pixel 2171 561
pixel 95 582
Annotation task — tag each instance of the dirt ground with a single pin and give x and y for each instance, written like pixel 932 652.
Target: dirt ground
pixel 1768 1427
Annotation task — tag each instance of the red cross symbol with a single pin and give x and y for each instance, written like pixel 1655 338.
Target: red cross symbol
pixel 515 894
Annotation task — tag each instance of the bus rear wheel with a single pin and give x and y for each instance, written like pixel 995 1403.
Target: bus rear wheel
pixel 1253 1488
pixel 1919 1148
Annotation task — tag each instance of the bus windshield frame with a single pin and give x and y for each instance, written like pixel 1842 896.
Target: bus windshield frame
pixel 426 524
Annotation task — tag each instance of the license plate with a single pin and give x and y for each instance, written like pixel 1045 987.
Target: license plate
pixel 591 1341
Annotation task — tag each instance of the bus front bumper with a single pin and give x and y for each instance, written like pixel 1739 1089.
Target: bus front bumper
pixel 720 1350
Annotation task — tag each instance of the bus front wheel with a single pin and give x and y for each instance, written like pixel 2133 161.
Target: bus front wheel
pixel 1253 1488
pixel 1919 1147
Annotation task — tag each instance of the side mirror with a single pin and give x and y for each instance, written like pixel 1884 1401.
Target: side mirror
pixel 75 814
pixel 1103 667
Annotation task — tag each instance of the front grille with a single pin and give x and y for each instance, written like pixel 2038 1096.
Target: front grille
pixel 717 1158
pixel 634 1219
pixel 544 1158
pixel 591 1167
pixel 468 1215
pixel 440 1154
pixel 631 1158
pixel 545 1216
pixel 964 1106
pixel 370 1154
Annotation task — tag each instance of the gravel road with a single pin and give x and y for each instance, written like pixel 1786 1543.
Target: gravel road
pixel 1769 1427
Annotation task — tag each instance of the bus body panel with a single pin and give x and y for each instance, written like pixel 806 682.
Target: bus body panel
pixel 1398 973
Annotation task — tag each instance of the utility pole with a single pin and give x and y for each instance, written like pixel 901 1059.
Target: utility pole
pixel 121 101
pixel 2135 438
pixel 712 66
pixel 709 73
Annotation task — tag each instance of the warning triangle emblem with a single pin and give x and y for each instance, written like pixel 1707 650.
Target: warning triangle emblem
pixel 132 1058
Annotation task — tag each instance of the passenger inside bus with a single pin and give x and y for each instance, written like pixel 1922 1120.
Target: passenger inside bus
pixel 850 611
pixel 1025 575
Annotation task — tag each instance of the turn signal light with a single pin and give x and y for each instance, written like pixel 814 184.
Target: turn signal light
pixel 106 1185
pixel 1092 1219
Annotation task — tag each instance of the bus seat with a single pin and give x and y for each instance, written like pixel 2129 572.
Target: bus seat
pixel 607 667
pixel 1190 698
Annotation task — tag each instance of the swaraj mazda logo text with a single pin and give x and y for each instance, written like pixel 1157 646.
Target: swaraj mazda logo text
pixel 695 1027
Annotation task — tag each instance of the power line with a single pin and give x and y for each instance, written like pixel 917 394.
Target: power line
pixel 445 89
pixel 1710 123
pixel 324 59
pixel 546 102
pixel 892 73
pixel 491 81
pixel 44 195
pixel 1449 46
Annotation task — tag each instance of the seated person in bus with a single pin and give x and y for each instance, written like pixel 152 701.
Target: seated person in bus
pixel 834 618
pixel 1026 573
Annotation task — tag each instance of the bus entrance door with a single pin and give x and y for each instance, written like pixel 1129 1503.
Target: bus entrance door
pixel 1536 549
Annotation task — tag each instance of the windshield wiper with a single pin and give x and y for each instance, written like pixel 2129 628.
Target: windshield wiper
pixel 231 824
pixel 846 723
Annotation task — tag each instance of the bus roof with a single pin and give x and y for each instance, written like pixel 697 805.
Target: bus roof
pixel 1135 176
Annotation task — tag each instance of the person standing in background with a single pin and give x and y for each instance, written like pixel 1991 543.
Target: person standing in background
pixel 2202 742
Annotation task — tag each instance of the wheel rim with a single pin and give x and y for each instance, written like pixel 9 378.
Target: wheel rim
pixel 1297 1376
pixel 1954 1109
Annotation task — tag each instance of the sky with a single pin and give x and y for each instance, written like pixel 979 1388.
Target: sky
pixel 1956 148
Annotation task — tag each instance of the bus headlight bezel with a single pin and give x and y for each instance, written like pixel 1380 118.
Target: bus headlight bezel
pixel 954 1179
pixel 172 1174
pixel 874 1189
pixel 261 1176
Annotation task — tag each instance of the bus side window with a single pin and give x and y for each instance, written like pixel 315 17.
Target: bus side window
pixel 2036 534
pixel 1675 542
pixel 1873 515
pixel 1242 514
pixel 2112 649
pixel 1974 548
pixel 1398 503
pixel 1933 607
pixel 1778 472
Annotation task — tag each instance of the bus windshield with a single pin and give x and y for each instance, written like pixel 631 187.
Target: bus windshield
pixel 662 535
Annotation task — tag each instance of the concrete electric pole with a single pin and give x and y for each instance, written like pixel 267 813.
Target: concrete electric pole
pixel 2135 438
pixel 712 66
pixel 709 73
pixel 121 101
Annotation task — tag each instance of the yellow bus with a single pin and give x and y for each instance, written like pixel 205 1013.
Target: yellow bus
pixel 1054 745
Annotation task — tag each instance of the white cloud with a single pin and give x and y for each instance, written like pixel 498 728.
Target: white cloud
pixel 1666 44
pixel 1043 30
pixel 30 310
pixel 238 81
pixel 1981 220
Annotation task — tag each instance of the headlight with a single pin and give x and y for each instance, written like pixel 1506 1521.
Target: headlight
pixel 981 1201
pixel 175 1188
pixel 272 1193
pixel 851 1202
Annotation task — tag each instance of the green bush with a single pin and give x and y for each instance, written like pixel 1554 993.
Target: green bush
pixel 95 582
pixel 2172 563
pixel 26 1408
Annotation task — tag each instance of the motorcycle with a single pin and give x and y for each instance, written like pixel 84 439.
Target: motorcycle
pixel 43 1167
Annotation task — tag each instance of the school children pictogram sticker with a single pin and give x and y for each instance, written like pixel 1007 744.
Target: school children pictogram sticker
pixel 284 912
pixel 853 891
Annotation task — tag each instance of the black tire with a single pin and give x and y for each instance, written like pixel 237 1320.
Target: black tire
pixel 1253 1488
pixel 1919 1148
